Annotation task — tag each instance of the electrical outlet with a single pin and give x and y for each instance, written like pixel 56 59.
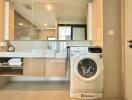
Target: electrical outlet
pixel 111 32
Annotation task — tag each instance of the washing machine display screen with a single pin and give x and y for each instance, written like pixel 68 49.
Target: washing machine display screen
pixel 87 68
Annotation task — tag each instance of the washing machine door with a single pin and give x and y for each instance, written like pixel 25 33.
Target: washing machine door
pixel 87 67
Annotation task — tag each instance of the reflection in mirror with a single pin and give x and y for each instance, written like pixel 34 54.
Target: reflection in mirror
pixel 72 32
pixel 60 20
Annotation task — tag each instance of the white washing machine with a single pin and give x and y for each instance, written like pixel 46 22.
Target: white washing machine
pixel 86 72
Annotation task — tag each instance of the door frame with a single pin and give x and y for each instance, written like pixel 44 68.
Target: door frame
pixel 123 13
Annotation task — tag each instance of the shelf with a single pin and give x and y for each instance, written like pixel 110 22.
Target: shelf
pixel 19 66
pixel 8 71
pixel 4 62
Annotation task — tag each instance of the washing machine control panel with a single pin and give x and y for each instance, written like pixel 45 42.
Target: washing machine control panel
pixel 90 49
pixel 95 50
pixel 79 49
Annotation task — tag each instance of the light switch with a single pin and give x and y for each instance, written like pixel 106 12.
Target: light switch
pixel 111 32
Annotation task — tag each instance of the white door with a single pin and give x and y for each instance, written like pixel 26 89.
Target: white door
pixel 128 50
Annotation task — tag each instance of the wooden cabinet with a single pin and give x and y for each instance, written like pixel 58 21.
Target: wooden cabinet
pixel 98 21
pixel 33 67
pixel 48 67
pixel 55 67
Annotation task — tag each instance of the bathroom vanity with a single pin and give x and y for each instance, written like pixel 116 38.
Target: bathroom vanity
pixel 41 32
pixel 45 63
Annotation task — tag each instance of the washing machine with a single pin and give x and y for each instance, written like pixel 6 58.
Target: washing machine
pixel 86 72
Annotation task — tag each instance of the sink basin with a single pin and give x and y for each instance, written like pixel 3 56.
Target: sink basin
pixel 43 53
pixel 61 55
pixel 49 53
pixel 15 54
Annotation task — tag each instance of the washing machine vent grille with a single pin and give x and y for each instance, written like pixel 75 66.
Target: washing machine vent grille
pixel 85 91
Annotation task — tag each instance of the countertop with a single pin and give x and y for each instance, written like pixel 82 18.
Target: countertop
pixel 33 55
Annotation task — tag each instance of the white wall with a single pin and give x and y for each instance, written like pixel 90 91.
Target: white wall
pixel 112 48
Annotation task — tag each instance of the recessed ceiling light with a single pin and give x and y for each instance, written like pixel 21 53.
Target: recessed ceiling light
pixel 49 7
pixel 45 24
pixel 20 24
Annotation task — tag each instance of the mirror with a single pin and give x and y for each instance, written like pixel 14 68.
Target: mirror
pixel 50 19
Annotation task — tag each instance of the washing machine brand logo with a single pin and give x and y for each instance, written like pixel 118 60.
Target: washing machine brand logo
pixel 85 96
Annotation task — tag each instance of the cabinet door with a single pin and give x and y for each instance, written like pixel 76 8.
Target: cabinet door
pixel 33 67
pixel 55 67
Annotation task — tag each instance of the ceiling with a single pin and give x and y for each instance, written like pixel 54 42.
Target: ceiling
pixel 48 12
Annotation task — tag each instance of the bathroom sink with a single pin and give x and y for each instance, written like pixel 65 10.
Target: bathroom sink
pixel 15 54
pixel 61 55
pixel 49 53
pixel 35 53
pixel 43 53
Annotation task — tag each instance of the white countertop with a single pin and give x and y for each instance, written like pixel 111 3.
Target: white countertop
pixel 32 54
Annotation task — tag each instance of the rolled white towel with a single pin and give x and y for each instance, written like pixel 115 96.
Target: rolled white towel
pixel 15 61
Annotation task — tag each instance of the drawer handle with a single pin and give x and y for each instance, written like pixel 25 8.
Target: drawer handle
pixel 130 41
pixel 130 46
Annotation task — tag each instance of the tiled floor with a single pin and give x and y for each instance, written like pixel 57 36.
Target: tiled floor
pixel 38 91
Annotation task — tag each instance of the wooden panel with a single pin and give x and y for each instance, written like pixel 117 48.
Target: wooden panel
pixel 98 21
pixel 33 67
pixel 11 71
pixel 1 19
pixel 55 67
pixel 11 23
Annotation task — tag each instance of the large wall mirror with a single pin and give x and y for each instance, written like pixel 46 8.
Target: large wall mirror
pixel 55 19
pixel 50 19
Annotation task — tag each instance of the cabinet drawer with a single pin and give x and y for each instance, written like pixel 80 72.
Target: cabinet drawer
pixel 55 67
pixel 33 67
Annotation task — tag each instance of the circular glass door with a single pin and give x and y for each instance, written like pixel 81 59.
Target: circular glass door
pixel 87 68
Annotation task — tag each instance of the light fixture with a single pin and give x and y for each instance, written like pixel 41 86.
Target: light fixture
pixel 20 24
pixel 45 24
pixel 49 7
